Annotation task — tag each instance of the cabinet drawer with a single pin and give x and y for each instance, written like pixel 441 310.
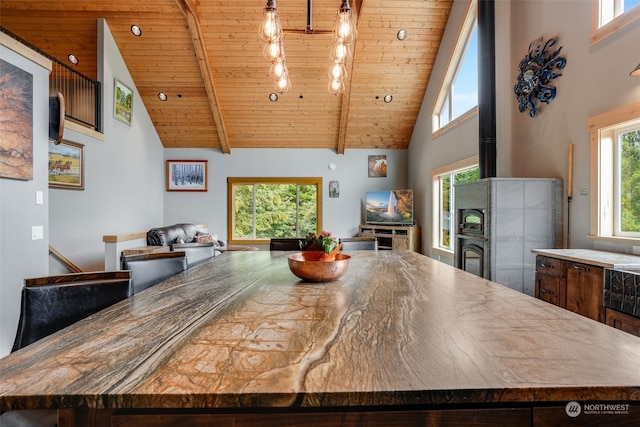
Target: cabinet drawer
pixel 549 266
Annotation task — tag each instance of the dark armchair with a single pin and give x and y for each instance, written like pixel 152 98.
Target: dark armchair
pixel 54 302
pixel 150 269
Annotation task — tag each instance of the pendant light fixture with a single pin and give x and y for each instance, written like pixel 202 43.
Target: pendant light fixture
pixel 271 34
pixel 636 72
pixel 344 34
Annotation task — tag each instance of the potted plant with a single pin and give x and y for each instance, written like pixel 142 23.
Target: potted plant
pixel 324 247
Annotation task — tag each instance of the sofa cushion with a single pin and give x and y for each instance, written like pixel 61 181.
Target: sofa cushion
pixel 164 236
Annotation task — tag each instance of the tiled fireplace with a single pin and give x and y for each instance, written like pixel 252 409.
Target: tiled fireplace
pixel 499 221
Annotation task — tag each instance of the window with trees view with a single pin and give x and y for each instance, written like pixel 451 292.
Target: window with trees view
pixel 444 181
pixel 264 208
pixel 615 143
pixel 627 181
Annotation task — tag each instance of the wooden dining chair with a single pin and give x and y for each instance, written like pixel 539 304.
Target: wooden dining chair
pixel 285 244
pixel 52 303
pixel 359 244
pixel 196 252
pixel 150 269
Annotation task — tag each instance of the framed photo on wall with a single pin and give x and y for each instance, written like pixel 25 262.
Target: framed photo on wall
pixel 66 165
pixel 377 166
pixel 187 175
pixel 122 102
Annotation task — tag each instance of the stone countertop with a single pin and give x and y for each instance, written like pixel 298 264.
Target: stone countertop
pixel 593 257
pixel 399 328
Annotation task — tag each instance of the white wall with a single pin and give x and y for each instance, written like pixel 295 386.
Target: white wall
pixel 21 257
pixel 596 79
pixel 341 215
pixel 124 174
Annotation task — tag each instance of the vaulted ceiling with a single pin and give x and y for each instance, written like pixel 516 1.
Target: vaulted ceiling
pixel 206 55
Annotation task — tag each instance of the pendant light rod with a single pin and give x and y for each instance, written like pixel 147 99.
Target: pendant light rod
pixel 309 16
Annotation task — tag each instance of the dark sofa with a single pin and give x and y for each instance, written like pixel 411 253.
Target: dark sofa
pixel 177 233
pixel 187 233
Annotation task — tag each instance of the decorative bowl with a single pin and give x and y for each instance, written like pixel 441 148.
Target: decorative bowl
pixel 318 271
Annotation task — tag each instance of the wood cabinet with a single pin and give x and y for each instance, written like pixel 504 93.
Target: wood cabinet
pixel 550 282
pixel 572 285
pixel 623 321
pixel 397 238
pixel 585 285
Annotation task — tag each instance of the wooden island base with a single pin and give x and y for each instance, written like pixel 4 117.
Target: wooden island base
pixel 627 415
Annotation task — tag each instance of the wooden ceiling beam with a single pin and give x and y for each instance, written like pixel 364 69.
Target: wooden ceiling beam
pixel 189 10
pixel 346 96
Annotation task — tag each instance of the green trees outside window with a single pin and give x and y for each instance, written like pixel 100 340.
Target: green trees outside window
pixel 630 182
pixel 268 208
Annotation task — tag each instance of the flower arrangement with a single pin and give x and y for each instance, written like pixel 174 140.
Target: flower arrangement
pixel 325 242
pixel 315 247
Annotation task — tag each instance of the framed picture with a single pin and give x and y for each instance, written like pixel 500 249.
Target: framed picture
pixel 187 175
pixel 66 165
pixel 16 130
pixel 377 166
pixel 122 102
pixel 334 189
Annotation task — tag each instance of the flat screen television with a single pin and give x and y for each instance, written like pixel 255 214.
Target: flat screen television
pixel 392 207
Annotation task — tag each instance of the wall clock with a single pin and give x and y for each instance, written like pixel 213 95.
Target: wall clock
pixel 536 70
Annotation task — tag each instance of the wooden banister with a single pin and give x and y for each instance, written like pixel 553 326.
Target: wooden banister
pixel 71 266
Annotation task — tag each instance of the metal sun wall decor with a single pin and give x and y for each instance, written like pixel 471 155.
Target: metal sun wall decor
pixel 536 70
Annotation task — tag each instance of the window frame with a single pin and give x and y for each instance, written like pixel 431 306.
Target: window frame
pixel 457 55
pixel 436 200
pixel 231 181
pixel 601 129
pixel 599 33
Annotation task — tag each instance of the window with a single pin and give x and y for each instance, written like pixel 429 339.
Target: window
pixel 265 208
pixel 459 91
pixel 615 143
pixel 609 16
pixel 444 180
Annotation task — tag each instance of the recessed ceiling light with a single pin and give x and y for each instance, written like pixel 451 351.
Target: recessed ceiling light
pixel 136 31
pixel 162 96
pixel 73 59
pixel 402 34
pixel 388 98
pixel 273 97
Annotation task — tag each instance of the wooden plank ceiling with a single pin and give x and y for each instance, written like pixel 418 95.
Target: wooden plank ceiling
pixel 207 57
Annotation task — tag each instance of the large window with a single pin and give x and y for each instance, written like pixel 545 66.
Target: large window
pixel 444 180
pixel 615 144
pixel 265 208
pixel 609 16
pixel 458 96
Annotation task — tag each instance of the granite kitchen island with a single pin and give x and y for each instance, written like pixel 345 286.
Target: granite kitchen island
pixel 399 339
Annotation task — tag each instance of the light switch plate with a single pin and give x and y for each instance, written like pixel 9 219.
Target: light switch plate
pixel 39 197
pixel 37 232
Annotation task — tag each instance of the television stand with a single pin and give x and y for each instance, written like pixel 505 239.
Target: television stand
pixel 393 237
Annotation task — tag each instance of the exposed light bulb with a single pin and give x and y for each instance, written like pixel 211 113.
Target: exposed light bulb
pixel 336 86
pixel 337 72
pixel 274 51
pixel 270 28
pixel 278 69
pixel 339 52
pixel 283 84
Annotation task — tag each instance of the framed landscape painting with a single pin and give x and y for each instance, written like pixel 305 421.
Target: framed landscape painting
pixel 66 165
pixel 16 127
pixel 122 102
pixel 187 175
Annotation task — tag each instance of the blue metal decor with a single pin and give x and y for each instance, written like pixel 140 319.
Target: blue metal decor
pixel 537 69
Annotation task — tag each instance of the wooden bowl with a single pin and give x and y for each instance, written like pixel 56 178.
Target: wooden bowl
pixel 318 271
